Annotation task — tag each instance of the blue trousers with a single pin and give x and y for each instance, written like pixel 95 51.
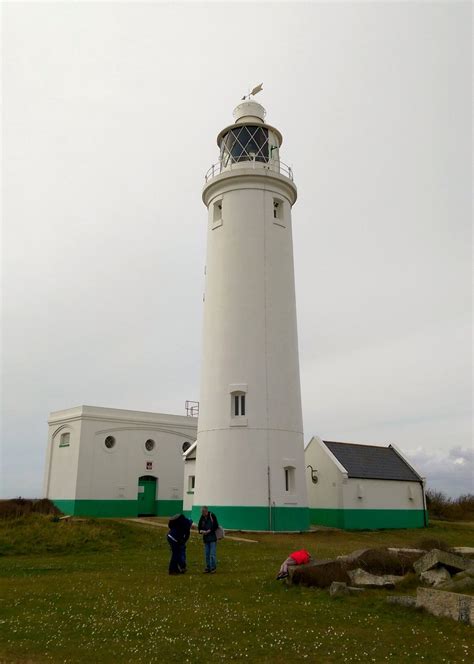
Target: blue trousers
pixel 210 554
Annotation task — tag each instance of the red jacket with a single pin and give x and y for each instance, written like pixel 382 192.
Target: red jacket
pixel 300 557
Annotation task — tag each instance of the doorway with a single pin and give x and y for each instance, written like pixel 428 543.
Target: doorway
pixel 146 495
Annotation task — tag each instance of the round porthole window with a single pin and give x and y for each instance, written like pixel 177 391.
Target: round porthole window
pixel 109 442
pixel 186 446
pixel 149 445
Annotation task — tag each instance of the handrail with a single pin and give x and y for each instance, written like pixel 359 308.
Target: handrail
pixel 271 165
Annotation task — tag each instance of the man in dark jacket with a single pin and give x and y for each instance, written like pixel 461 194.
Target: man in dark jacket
pixel 179 531
pixel 207 528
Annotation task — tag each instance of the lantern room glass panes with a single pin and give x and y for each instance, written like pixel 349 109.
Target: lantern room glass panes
pixel 246 143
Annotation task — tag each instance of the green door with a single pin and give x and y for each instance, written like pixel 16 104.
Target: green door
pixel 146 495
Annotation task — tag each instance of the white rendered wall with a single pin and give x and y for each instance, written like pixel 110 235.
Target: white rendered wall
pixel 382 494
pixel 102 474
pixel 327 493
pixel 61 467
pixel 188 497
pixel 250 344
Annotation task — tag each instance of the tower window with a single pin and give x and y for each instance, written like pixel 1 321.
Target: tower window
pixel 278 212
pixel 191 482
pixel 65 439
pixel 217 214
pixel 149 445
pixel 217 211
pixel 239 405
pixel 289 479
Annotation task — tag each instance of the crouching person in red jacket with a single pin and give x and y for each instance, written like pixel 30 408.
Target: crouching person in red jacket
pixel 296 558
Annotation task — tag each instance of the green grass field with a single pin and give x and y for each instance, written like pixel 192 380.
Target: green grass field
pixel 99 591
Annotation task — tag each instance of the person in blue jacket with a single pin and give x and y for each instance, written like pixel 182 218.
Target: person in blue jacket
pixel 178 534
pixel 207 527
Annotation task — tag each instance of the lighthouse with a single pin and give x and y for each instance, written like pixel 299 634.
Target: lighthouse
pixel 250 450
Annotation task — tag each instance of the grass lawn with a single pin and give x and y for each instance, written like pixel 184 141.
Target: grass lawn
pixel 99 591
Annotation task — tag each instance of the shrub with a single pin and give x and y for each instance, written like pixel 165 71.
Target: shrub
pixel 382 561
pixel 17 507
pixel 322 575
pixel 453 509
pixel 430 543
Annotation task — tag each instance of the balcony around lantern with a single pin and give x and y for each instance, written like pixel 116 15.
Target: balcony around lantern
pixel 273 165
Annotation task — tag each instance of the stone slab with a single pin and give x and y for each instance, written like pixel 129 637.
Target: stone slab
pixel 338 588
pixel 359 577
pixel 402 600
pixel 463 585
pixel 463 550
pixel 435 577
pixel 436 557
pixel 464 575
pixel 447 604
pixel 393 549
pixel 351 557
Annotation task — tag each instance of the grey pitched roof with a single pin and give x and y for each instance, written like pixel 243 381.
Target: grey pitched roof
pixel 371 462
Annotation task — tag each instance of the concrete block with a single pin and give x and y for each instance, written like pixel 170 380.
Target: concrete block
pixel 402 600
pixel 451 561
pixel 393 549
pixel 463 550
pixel 450 605
pixel 338 588
pixel 351 557
pixel 456 585
pixel 435 577
pixel 360 577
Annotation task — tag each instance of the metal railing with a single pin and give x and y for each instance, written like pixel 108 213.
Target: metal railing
pixel 272 165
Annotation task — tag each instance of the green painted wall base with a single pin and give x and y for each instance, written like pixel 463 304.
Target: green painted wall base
pixel 258 518
pixel 357 519
pixel 115 508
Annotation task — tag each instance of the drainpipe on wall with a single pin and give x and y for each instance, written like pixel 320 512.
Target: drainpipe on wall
pixel 422 484
pixel 269 500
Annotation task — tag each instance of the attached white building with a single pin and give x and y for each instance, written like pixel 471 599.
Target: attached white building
pixel 363 487
pixel 110 462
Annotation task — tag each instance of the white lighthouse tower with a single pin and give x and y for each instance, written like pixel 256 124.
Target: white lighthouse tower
pixel 250 451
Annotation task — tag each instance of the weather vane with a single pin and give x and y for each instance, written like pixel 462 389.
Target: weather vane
pixel 255 90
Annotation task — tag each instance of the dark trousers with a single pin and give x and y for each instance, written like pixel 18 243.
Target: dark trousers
pixel 178 557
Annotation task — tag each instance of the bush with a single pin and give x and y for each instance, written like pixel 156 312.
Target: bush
pixel 451 509
pixel 17 507
pixel 428 544
pixel 382 561
pixel 323 575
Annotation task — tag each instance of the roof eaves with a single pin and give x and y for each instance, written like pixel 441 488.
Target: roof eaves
pixel 402 457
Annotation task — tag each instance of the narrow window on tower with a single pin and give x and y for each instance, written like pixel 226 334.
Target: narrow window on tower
pixel 279 212
pixel 217 214
pixel 289 479
pixel 238 404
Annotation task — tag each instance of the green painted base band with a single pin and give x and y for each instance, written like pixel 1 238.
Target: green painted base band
pixel 293 519
pixel 115 508
pixel 357 519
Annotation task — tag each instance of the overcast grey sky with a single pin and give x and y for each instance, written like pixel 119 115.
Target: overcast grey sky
pixel 110 116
